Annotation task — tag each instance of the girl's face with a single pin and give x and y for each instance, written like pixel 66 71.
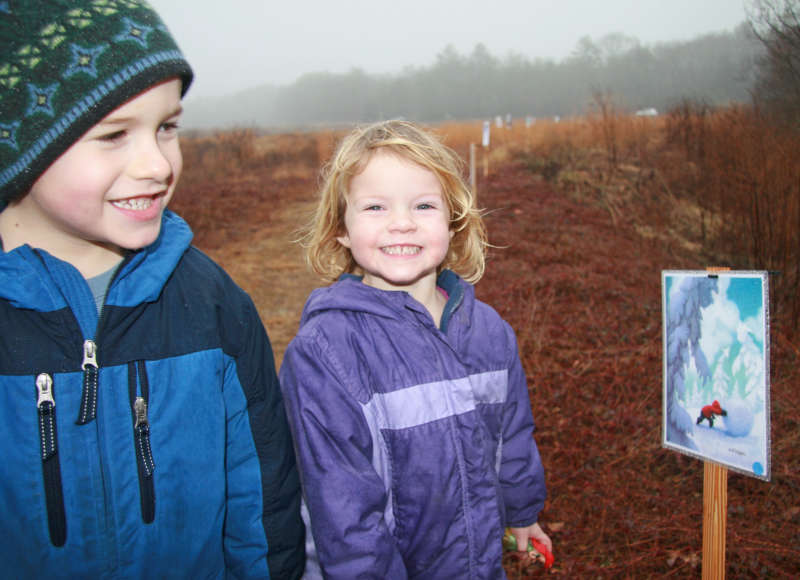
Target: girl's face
pixel 397 224
pixel 111 186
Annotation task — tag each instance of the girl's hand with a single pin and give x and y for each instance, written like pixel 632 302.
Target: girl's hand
pixel 535 535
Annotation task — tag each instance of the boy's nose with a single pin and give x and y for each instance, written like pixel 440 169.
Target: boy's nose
pixel 151 162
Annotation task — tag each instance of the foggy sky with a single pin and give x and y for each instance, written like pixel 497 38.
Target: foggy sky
pixel 246 43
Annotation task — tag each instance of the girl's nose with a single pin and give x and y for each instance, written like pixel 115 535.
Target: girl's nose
pixel 401 221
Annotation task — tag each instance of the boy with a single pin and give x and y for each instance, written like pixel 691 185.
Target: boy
pixel 141 423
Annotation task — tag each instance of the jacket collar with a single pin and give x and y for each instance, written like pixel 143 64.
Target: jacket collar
pixel 36 280
pixel 350 294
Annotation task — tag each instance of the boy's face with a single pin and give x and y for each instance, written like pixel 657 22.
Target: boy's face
pixel 111 186
pixel 397 224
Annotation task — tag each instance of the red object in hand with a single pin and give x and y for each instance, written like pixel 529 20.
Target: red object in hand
pixel 510 543
pixel 542 549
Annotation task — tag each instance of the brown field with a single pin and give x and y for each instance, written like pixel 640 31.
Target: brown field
pixel 584 215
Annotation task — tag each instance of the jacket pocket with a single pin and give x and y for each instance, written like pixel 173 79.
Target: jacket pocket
pixel 141 436
pixel 51 468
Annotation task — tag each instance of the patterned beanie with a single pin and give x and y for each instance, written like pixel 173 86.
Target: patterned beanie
pixel 64 66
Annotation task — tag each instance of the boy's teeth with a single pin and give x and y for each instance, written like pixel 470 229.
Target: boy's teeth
pixel 136 203
pixel 401 250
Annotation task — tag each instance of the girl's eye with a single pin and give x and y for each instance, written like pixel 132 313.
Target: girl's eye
pixel 373 208
pixel 426 205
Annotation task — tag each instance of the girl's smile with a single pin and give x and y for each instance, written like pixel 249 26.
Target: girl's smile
pixel 402 250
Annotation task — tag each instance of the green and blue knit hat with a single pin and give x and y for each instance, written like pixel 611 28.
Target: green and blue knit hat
pixel 64 66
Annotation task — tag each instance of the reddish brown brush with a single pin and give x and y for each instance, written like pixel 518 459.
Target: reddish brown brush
pixel 580 245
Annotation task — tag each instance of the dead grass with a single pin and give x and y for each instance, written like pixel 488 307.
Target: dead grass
pixel 577 274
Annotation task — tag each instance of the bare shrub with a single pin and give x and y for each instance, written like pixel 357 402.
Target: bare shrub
pixel 686 126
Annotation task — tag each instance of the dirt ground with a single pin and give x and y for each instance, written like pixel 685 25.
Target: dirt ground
pixel 581 286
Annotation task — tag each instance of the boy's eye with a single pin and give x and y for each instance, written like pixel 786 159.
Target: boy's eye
pixel 113 136
pixel 170 126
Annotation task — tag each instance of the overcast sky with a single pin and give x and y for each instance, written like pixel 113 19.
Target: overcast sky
pixel 238 44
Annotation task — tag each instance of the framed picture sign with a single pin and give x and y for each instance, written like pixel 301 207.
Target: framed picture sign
pixel 716 367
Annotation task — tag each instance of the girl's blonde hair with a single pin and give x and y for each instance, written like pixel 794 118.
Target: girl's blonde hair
pixel 328 258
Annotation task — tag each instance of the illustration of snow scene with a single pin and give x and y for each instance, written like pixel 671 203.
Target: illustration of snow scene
pixel 716 367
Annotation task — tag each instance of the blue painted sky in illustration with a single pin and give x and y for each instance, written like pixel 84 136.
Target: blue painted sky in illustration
pixel 746 294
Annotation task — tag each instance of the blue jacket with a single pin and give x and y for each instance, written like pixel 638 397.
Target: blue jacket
pixel 163 453
pixel 414 442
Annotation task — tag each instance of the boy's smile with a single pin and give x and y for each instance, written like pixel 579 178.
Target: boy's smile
pixel 144 208
pixel 106 193
pixel 397 224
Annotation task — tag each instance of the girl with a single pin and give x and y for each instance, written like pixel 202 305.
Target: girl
pixel 405 393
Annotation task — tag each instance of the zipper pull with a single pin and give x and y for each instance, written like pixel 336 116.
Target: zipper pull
pixel 141 431
pixel 51 468
pixel 46 405
pixel 89 354
pixel 140 408
pixel 88 410
pixel 44 386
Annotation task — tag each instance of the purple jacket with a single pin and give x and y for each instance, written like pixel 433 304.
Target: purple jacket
pixel 414 442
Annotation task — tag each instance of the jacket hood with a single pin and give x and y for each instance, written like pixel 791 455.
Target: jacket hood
pixel 350 294
pixel 34 279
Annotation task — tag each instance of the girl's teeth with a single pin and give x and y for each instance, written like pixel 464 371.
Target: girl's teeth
pixel 137 203
pixel 401 250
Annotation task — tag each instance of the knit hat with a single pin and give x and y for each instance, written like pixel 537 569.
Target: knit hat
pixel 64 66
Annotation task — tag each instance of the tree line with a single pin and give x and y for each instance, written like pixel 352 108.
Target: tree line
pixel 716 69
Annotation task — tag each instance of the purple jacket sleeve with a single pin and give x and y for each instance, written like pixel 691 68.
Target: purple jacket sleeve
pixel 521 471
pixel 345 495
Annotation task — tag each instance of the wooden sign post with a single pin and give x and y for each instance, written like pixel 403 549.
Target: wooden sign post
pixel 485 143
pixel 697 350
pixel 473 182
pixel 715 511
pixel 715 515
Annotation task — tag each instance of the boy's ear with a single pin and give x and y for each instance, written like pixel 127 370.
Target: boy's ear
pixel 344 240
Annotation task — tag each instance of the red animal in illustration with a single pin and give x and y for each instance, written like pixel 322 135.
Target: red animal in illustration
pixel 709 411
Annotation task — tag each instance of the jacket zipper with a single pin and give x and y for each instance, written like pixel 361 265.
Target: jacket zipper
pixel 91 374
pixel 51 468
pixel 90 367
pixel 141 437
